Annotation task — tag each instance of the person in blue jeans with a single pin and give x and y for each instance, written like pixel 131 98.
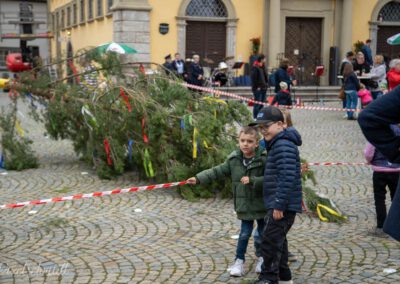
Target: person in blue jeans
pixel 259 83
pixel 245 167
pixel 351 87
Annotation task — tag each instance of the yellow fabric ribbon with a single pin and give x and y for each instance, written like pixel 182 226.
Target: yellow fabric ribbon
pixel 214 100
pixel 19 128
pixel 195 134
pixel 329 210
pixel 148 167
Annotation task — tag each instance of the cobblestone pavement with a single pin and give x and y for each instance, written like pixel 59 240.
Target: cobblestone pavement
pixel 105 240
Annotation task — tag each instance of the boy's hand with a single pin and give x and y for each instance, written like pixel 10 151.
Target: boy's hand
pixel 245 180
pixel 192 181
pixel 277 214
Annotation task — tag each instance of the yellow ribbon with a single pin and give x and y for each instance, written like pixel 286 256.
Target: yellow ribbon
pixel 329 210
pixel 19 128
pixel 206 145
pixel 214 100
pixel 148 167
pixel 195 134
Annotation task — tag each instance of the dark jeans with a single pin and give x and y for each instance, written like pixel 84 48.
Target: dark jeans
pixel 259 95
pixel 392 224
pixel 245 234
pixel 380 182
pixel 274 248
pixel 351 102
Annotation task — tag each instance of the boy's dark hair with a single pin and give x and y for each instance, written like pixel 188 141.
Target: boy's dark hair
pixel 249 130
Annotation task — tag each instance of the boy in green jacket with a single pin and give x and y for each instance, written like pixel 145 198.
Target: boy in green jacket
pixel 246 168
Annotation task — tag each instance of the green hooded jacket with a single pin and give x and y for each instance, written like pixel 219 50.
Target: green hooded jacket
pixel 248 198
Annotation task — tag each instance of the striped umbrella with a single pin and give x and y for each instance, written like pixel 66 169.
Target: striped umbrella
pixel 394 40
pixel 116 47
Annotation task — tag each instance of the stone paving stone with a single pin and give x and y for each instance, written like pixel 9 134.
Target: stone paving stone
pixel 175 241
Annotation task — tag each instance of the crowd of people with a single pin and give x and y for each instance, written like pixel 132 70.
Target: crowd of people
pixel 267 188
pixel 366 77
pixel 191 70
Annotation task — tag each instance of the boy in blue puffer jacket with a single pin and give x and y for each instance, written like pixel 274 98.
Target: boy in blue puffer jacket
pixel 282 193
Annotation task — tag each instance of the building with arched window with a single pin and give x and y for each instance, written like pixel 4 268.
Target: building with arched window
pixel 302 30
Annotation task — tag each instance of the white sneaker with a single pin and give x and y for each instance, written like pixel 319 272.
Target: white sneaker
pixel 237 269
pixel 259 264
pixel 286 282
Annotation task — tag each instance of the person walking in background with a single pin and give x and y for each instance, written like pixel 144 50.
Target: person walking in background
pixel 282 75
pixel 351 87
pixel 347 60
pixel 196 71
pixel 385 174
pixel 378 76
pixel 179 67
pixel 366 50
pixel 245 167
pixel 259 83
pixel 393 76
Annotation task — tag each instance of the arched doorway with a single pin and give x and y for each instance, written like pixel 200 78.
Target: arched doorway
pixel 207 28
pixel 385 22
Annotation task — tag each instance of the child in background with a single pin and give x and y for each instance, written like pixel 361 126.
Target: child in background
pixel 245 166
pixel 282 193
pixel 364 95
pixel 385 174
pixel 282 98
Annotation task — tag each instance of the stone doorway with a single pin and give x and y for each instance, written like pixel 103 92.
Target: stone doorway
pixel 382 47
pixel 303 47
pixel 207 39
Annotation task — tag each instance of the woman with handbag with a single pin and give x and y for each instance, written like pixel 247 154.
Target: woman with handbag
pixel 351 87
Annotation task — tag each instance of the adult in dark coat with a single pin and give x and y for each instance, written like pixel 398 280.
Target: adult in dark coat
pixel 259 83
pixel 168 64
pixel 179 67
pixel 366 50
pixel 375 123
pixel 282 75
pixel 361 67
pixel 196 71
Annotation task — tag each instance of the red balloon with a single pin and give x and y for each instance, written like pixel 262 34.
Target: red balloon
pixel 15 64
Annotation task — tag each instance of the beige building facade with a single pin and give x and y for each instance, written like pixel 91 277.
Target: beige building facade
pixel 310 32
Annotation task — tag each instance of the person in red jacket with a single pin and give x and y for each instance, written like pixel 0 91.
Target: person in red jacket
pixel 393 76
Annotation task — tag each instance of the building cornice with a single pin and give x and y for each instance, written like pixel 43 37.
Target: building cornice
pixel 136 5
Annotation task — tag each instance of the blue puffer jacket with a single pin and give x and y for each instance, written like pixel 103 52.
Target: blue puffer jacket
pixel 282 177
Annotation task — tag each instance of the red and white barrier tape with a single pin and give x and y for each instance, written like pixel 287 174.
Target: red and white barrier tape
pixel 142 188
pixel 94 194
pixel 223 93
pixel 337 164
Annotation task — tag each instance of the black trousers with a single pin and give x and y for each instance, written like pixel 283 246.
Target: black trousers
pixel 274 248
pixel 380 182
